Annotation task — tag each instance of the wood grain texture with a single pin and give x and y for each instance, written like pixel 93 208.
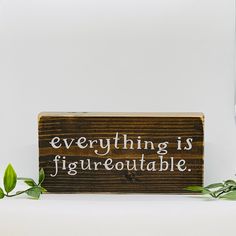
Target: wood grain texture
pixel 155 127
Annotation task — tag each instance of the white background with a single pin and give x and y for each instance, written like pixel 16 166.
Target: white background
pixel 143 55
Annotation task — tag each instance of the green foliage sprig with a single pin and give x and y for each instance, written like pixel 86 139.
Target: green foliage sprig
pixel 10 180
pixel 225 190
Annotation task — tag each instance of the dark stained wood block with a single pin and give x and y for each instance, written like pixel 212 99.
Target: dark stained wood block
pixel 121 152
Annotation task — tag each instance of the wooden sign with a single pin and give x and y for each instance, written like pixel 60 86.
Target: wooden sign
pixel 121 152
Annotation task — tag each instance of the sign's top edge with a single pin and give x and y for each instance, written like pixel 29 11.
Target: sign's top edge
pixel 122 114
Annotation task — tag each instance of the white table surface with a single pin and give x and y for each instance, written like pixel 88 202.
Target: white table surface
pixel 113 214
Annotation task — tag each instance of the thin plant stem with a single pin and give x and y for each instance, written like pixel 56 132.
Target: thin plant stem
pixel 18 193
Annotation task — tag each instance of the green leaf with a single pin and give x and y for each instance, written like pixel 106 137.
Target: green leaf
pixel 43 190
pixel 10 179
pixel 207 191
pixel 28 181
pixel 23 178
pixel 195 188
pixel 34 192
pixel 2 194
pixel 229 196
pixel 216 185
pixel 41 176
pixel 199 189
pixel 230 182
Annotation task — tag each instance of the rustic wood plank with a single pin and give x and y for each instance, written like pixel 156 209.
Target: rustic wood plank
pixel 124 138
